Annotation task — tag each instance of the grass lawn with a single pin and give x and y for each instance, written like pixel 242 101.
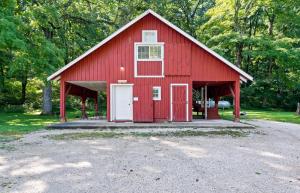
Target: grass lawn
pixel 14 125
pixel 274 115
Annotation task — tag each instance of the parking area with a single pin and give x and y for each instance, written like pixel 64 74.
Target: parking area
pixel 264 159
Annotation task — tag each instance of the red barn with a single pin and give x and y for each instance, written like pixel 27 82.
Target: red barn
pixel 150 70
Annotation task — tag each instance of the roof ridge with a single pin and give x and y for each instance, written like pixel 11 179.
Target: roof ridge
pixel 244 75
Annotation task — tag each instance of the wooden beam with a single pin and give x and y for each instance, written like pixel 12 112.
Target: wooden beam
pixel 68 90
pixel 231 90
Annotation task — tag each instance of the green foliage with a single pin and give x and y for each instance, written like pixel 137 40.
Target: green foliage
pixel 255 35
pixel 260 36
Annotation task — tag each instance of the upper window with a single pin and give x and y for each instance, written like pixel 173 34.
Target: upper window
pixel 149 36
pixel 149 52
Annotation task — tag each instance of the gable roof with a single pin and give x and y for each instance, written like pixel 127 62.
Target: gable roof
pixel 243 75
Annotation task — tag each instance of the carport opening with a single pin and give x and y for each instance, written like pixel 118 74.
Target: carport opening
pixel 209 98
pixel 86 99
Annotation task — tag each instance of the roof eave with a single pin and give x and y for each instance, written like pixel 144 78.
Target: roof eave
pixel 240 71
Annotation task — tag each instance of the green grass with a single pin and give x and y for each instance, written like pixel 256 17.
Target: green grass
pixel 14 125
pixel 274 115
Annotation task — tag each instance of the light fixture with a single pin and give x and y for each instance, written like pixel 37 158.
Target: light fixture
pixel 122 68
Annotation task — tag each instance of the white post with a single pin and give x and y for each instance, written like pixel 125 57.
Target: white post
pixel 205 102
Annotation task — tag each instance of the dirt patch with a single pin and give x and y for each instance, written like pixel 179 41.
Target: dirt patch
pixel 112 134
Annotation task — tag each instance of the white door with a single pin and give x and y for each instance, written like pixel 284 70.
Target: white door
pixel 123 102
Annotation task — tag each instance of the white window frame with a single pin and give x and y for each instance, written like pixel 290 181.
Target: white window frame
pixel 136 45
pixel 158 98
pixel 147 31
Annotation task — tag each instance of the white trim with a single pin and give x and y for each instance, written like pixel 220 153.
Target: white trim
pixel 98 45
pixel 149 76
pixel 240 71
pixel 159 93
pixel 205 102
pixel 243 79
pixel 112 94
pixel 151 31
pixel 117 84
pixel 136 60
pixel 202 45
pixel 149 43
pixel 171 99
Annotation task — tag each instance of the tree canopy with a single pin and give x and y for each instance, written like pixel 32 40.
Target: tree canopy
pixel 260 36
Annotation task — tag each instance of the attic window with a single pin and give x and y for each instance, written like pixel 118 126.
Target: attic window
pixel 149 36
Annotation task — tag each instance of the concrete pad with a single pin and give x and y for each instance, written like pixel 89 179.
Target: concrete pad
pixel 103 124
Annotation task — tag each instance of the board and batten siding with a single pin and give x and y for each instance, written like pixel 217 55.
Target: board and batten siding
pixel 184 62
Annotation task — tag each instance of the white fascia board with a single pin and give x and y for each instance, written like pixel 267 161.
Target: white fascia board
pixel 98 45
pixel 202 45
pixel 241 72
pixel 243 79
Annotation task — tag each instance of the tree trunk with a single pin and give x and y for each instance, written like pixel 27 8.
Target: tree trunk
pixel 47 102
pixel 237 28
pixel 298 109
pixel 239 56
pixel 23 95
pixel 1 78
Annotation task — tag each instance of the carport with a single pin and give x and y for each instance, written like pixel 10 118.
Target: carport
pixel 214 90
pixel 84 90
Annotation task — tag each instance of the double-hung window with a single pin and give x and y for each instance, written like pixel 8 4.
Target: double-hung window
pixel 149 52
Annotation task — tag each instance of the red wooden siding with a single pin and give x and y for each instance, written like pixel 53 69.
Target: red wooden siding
pixel 179 103
pixel 143 104
pixel 149 68
pixel 178 58
pixel 184 62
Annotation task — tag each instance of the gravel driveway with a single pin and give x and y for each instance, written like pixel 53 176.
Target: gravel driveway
pixel 267 160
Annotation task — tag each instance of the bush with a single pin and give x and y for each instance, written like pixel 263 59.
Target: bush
pixel 14 109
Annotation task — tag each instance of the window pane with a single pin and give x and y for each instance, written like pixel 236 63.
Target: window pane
pixel 143 52
pixel 156 93
pixel 149 36
pixel 155 52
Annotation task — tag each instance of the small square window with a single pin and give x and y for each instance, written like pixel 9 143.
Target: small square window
pixel 156 93
pixel 149 36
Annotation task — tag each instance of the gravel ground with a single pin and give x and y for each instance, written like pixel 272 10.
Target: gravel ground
pixel 267 160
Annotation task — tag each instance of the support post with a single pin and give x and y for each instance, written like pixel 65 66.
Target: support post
pixel 237 101
pixel 63 101
pixel 205 102
pixel 217 99
pixel 96 105
pixel 83 109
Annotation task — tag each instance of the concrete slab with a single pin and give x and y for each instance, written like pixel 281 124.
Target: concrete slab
pixel 103 124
